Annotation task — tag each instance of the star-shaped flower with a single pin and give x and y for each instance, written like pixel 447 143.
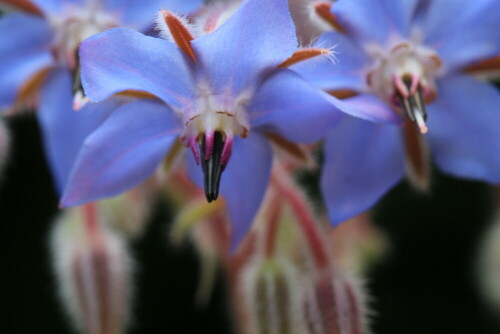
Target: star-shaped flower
pixel 39 65
pixel 412 56
pixel 223 92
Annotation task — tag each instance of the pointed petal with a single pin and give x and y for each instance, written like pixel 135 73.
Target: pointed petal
pixel 472 35
pixel 288 105
pixel 463 128
pixel 24 50
pixel 122 59
pixel 64 130
pixel 122 152
pixel 368 107
pixel 374 20
pixel 256 39
pixel 363 160
pixel 346 73
pixel 243 183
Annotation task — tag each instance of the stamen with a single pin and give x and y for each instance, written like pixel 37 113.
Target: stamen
pixel 194 149
pixel 212 165
pixel 79 98
pixel 304 54
pixel 323 9
pixel 209 144
pixel 180 34
pixel 226 152
pixel 412 103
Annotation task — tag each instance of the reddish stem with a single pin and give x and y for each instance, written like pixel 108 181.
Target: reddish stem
pixel 90 219
pixel 275 209
pixel 305 220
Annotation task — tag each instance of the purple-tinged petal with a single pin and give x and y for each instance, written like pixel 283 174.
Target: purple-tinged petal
pixel 24 50
pixel 122 59
pixel 64 130
pixel 463 128
pixel 363 160
pixel 368 107
pixel 288 105
pixel 472 33
pixel 346 73
pixel 140 14
pixel 254 41
pixel 49 7
pixel 122 152
pixel 375 20
pixel 244 181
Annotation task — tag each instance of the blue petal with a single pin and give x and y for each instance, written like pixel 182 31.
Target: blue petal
pixel 256 39
pixel 348 73
pixel 121 59
pixel 49 7
pixel 472 34
pixel 244 182
pixel 288 105
pixel 464 128
pixel 368 107
pixel 24 50
pixel 140 14
pixel 122 152
pixel 363 160
pixel 375 20
pixel 64 130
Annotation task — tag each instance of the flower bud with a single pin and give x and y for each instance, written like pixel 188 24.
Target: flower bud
pixel 92 267
pixel 269 289
pixel 333 304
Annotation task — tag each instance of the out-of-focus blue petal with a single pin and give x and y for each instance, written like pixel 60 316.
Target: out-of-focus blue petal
pixel 49 7
pixel 464 128
pixel 363 160
pixel 256 39
pixel 471 33
pixel 288 105
pixel 140 14
pixel 122 59
pixel 64 130
pixel 347 73
pixel 244 182
pixel 24 50
pixel 375 20
pixel 368 107
pixel 122 152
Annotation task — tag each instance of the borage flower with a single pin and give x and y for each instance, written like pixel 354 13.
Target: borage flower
pixel 411 56
pixel 39 65
pixel 225 91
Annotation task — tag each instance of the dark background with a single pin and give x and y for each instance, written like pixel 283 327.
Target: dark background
pixel 425 285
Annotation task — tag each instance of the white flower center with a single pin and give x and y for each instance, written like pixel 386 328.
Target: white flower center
pixel 211 113
pixel 405 60
pixel 76 23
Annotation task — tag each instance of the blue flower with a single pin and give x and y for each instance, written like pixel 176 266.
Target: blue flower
pixel 409 57
pixel 38 55
pixel 222 93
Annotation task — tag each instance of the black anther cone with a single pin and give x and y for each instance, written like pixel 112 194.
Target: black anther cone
pixel 212 167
